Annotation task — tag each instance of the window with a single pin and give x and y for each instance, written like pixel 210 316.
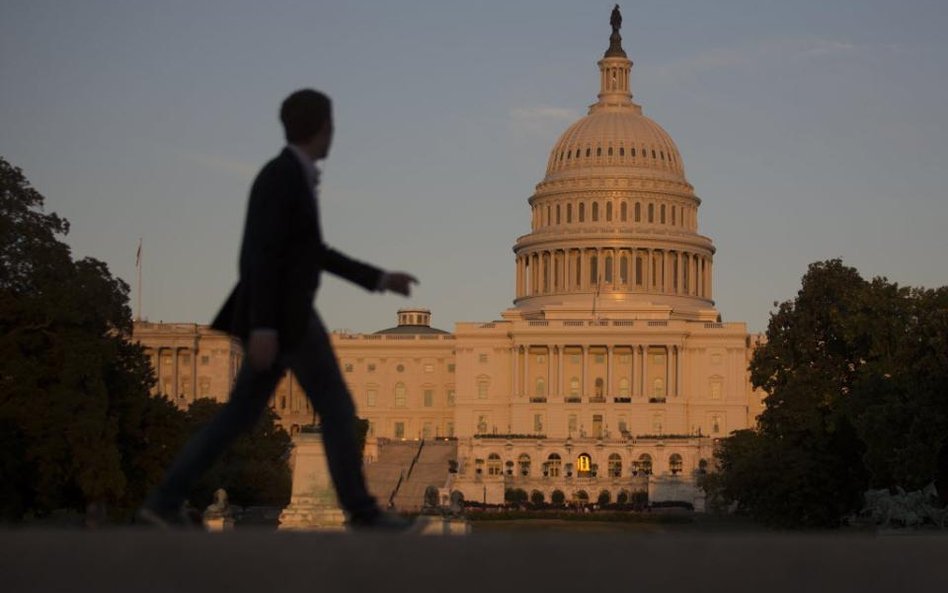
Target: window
pixel 482 424
pixel 623 387
pixel 638 212
pixel 597 426
pixel 615 466
pixel 651 212
pixel 624 212
pixel 482 358
pixel 482 389
pixel 449 429
pixel 638 271
pixel 658 387
pixel 608 211
pixel 348 367
pixel 600 358
pixel 595 211
pixel 572 423
pixel 675 463
pixel 493 465
pixel 662 214
pixel 429 397
pixel 574 387
pixel 554 465
pixel 715 389
pixel 644 464
pixel 594 270
pixel 399 430
pixel 371 396
pixel 657 424
pixel 541 358
pixel 608 270
pixel 557 214
pixel 538 423
pixel 400 395
pixel 429 368
pixel 569 213
pixel 582 212
pixel 450 397
pixel 623 425
pixel 205 359
pixel 370 367
pixel 600 387
pixel 523 464
pixel 400 368
pixel 583 464
pixel 715 424
pixel 426 430
pixel 540 387
pixel 624 269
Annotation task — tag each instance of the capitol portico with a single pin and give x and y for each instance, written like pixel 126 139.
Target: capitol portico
pixel 611 373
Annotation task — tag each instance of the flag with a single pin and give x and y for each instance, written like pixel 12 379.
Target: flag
pixel 138 254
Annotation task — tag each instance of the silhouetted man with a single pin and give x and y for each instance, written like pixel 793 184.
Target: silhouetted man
pixel 271 310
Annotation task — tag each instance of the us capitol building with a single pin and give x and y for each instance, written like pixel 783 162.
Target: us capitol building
pixel 612 372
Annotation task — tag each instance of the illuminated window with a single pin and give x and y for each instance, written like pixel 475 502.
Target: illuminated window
pixel 583 464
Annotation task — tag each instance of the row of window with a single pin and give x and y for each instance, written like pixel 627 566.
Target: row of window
pixel 598 428
pixel 400 393
pixel 583 466
pixel 546 271
pixel 611 152
pixel 371 367
pixel 648 212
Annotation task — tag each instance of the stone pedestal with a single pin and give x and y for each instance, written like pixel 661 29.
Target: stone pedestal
pixel 313 504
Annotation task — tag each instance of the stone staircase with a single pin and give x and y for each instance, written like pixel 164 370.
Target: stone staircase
pixel 406 469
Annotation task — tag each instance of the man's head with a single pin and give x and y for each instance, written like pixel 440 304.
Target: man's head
pixel 307 121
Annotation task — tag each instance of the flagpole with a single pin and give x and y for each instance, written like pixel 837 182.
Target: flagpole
pixel 138 264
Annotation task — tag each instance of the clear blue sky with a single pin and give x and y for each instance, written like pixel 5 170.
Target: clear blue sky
pixel 810 129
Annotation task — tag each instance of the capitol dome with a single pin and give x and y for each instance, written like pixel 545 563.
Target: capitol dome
pixel 614 220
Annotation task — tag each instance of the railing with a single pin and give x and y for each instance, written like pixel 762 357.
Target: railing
pixel 597 399
pixel 622 400
pixel 573 399
pixel 539 323
pixel 537 400
pixel 623 323
pixel 712 325
pixel 658 323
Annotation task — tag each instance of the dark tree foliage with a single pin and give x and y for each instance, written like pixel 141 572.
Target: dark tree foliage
pixel 75 417
pixel 855 373
pixel 254 470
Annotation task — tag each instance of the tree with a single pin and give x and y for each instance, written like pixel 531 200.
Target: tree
pixel 74 407
pixel 855 376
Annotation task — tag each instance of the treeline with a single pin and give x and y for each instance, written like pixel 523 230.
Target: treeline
pixel 856 376
pixel 77 424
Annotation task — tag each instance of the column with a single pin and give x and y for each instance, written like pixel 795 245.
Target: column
pixel 561 352
pixel 648 270
pixel 549 372
pixel 645 390
pixel 194 373
pixel 514 380
pixel 608 389
pixel 678 370
pixel 526 370
pixel 584 388
pixel 566 269
pixel 174 366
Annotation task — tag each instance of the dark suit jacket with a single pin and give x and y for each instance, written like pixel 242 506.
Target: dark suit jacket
pixel 282 257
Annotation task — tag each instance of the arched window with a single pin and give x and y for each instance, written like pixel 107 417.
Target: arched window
pixel 638 212
pixel 588 150
pixel 581 497
pixel 624 269
pixel 541 387
pixel 624 212
pixel 644 464
pixel 674 463
pixel 583 464
pixel 651 212
pixel 595 211
pixel 623 387
pixel 582 212
pixel 554 464
pixel 594 270
pixel 610 151
pixel 569 213
pixel 493 465
pixel 598 151
pixel 638 271
pixel 621 151
pixel 674 210
pixel 523 464
pixel 579 269
pixel 401 395
pixel 557 214
pixel 607 272
pixel 615 466
pixel 608 211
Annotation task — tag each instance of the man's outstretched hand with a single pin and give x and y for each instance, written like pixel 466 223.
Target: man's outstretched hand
pixel 399 282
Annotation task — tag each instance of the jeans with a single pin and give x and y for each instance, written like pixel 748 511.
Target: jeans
pixel 317 371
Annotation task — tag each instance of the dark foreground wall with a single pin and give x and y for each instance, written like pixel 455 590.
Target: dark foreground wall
pixel 265 562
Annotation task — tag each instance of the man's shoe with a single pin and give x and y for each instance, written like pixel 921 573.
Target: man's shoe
pixel 386 522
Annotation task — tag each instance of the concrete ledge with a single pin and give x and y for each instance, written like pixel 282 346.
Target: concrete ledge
pixel 279 562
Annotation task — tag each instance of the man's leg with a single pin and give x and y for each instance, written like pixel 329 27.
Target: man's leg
pixel 250 395
pixel 317 371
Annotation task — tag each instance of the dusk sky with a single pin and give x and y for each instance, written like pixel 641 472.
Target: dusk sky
pixel 810 129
